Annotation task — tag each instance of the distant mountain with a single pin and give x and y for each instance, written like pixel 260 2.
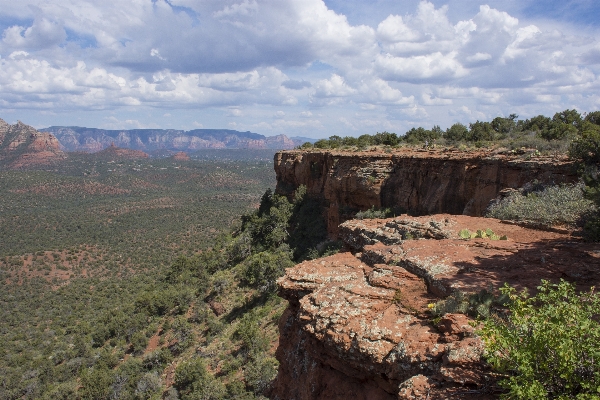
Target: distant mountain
pixel 74 138
pixel 22 146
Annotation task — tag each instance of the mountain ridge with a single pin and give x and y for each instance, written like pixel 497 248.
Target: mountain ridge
pixel 75 138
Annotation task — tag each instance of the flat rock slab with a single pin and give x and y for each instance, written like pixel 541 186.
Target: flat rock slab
pixel 361 315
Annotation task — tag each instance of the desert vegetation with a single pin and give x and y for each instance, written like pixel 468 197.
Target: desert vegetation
pixel 139 280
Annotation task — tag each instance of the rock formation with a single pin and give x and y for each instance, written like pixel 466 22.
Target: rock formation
pixel 416 181
pixel 181 156
pixel 358 325
pixel 114 152
pixel 22 146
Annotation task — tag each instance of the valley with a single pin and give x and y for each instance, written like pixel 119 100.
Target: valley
pixel 85 245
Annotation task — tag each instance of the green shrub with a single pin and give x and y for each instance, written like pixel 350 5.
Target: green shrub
pixel 139 341
pixel 475 305
pixel 182 333
pixel 157 359
pixel 547 347
pixel 586 150
pixel 480 234
pixel 248 331
pixel 554 205
pixel 259 373
pixel 375 212
pixel 95 383
pixel 148 385
pixel 261 270
pixel 193 381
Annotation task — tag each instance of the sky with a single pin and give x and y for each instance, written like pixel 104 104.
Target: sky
pixel 309 68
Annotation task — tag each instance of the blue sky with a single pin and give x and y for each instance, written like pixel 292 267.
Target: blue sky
pixel 298 67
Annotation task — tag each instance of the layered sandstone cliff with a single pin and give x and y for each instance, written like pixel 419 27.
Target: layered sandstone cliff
pixel 23 146
pixel 358 325
pixel 415 181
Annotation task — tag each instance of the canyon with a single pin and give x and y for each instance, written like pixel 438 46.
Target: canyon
pixel 359 323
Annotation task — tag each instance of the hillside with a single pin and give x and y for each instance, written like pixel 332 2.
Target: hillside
pixel 105 283
pixel 74 138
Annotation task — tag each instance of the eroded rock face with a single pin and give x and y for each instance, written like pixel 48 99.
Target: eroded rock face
pixel 419 181
pixel 358 327
pixel 22 146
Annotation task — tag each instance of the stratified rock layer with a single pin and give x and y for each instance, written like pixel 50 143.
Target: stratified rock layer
pixel 22 146
pixel 358 325
pixel 419 181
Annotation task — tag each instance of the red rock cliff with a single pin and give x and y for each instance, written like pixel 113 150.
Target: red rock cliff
pixel 417 181
pixel 22 146
pixel 358 326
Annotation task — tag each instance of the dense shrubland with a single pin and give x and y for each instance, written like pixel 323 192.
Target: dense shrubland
pixel 546 206
pixel 156 302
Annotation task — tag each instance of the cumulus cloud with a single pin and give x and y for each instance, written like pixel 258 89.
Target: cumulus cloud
pixel 278 59
pixel 333 87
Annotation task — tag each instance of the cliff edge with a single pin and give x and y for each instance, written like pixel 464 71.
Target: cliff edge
pixel 358 323
pixel 417 181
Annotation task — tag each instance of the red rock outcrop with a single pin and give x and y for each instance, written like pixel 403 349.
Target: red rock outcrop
pixel 114 152
pixel 414 180
pixel 22 146
pixel 358 325
pixel 181 156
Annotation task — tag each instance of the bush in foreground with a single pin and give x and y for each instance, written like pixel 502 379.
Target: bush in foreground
pixel 547 347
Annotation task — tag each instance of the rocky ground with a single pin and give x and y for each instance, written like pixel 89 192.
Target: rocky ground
pixel 358 323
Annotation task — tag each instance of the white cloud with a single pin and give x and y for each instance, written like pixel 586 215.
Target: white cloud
pixel 333 87
pixel 435 66
pixel 156 53
pixel 235 112
pixel 479 57
pixel 267 57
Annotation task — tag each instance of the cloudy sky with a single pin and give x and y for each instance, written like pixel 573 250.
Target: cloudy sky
pixel 300 67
